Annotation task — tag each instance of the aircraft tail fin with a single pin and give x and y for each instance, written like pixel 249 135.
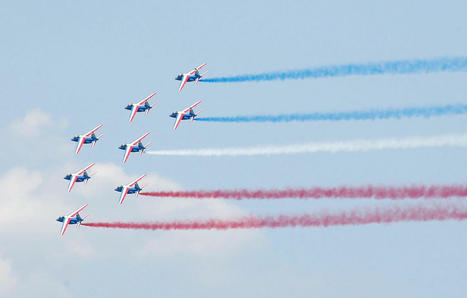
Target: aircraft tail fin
pixel 149 107
pixel 97 138
pixel 89 175
pixel 145 147
pixel 140 189
pixel 82 219
pixel 196 115
pixel 86 176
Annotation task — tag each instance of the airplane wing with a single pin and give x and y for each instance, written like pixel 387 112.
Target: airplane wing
pixel 201 66
pixel 146 99
pixel 80 144
pixel 72 214
pixel 178 120
pixel 66 222
pixel 93 131
pixel 127 153
pixel 139 139
pixel 72 182
pixel 134 109
pixel 191 107
pixel 134 182
pixel 123 195
pixel 184 80
pixel 85 169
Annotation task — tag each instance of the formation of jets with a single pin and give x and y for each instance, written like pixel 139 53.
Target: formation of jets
pixel 135 146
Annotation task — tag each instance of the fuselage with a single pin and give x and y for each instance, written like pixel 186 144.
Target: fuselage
pixel 191 78
pixel 73 220
pixel 136 148
pixel 131 190
pixel 143 108
pixel 79 178
pixel 87 140
pixel 185 116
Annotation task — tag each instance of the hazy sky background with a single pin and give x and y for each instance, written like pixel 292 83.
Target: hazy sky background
pixel 67 66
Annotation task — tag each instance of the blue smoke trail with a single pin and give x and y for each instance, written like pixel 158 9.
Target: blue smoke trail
pixel 425 112
pixel 389 67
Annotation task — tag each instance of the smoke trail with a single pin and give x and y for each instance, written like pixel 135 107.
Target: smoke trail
pixel 362 192
pixel 354 115
pixel 389 67
pixel 353 217
pixel 330 147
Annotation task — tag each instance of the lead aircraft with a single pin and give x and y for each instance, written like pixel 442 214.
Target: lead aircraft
pixel 142 106
pixel 80 176
pixel 131 188
pixel 71 219
pixel 135 146
pixel 87 138
pixel 191 76
pixel 185 114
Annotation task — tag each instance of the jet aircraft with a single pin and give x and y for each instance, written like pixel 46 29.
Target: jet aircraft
pixel 131 188
pixel 141 106
pixel 80 176
pixel 135 146
pixel 71 219
pixel 191 76
pixel 87 138
pixel 185 114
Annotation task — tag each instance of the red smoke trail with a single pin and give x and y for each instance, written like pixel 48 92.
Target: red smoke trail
pixel 366 192
pixel 353 217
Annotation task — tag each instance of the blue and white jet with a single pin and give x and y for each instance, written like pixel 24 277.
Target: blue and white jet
pixel 80 176
pixel 71 219
pixel 87 138
pixel 131 188
pixel 135 146
pixel 142 106
pixel 191 76
pixel 185 114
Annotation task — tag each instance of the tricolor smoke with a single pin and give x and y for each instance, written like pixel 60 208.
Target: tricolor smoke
pixel 353 115
pixel 389 67
pixel 353 217
pixel 330 147
pixel 342 192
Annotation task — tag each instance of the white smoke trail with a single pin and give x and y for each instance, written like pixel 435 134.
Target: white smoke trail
pixel 363 145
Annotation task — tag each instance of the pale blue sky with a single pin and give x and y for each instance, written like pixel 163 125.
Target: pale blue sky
pixel 68 66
